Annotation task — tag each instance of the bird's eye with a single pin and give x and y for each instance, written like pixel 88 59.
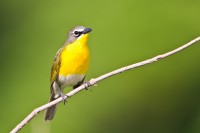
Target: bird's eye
pixel 77 33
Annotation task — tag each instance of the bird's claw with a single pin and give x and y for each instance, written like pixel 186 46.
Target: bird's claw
pixel 87 85
pixel 63 97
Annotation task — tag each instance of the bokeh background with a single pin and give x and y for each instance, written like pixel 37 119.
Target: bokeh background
pixel 163 97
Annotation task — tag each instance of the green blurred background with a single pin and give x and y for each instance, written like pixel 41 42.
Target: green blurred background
pixel 163 97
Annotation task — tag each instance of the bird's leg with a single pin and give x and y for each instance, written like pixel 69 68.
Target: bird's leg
pixel 87 85
pixel 62 95
pixel 77 85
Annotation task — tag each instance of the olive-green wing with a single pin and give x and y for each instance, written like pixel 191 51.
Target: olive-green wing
pixel 55 68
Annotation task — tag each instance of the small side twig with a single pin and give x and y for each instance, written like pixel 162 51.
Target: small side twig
pixel 95 80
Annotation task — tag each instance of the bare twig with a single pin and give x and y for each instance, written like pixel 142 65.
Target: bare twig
pixel 95 80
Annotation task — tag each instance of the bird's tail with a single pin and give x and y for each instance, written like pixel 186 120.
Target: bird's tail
pixel 50 112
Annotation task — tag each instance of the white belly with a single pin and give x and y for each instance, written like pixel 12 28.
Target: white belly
pixel 64 81
pixel 70 80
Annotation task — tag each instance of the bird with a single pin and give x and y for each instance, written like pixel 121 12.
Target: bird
pixel 69 66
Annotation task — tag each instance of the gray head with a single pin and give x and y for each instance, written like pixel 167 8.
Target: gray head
pixel 77 32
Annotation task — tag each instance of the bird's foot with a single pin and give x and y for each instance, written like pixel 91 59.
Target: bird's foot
pixel 87 85
pixel 63 97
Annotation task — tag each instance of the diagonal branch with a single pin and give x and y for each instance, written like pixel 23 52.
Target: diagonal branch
pixel 92 82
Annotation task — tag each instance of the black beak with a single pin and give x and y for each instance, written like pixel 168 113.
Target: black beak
pixel 87 30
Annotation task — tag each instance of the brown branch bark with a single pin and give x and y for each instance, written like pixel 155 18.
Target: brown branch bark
pixel 92 82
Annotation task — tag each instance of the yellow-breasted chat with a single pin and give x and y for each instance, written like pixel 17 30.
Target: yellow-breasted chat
pixel 70 65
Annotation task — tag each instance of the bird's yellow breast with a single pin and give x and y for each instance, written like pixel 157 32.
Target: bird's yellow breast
pixel 75 57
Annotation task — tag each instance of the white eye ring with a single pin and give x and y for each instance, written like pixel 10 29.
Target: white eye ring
pixel 77 33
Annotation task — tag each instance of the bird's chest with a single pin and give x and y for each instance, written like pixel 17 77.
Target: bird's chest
pixel 74 60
